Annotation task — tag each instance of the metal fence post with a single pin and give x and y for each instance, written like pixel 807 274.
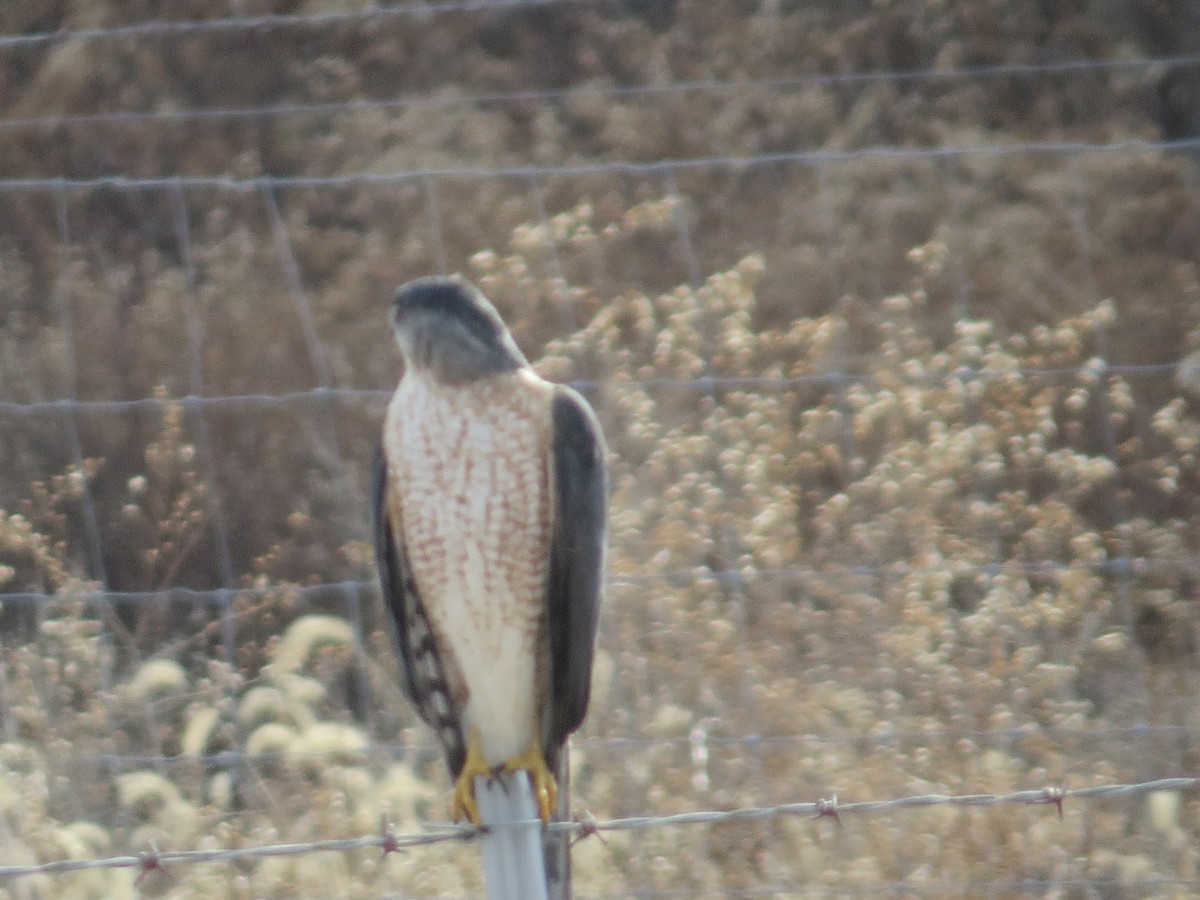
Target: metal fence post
pixel 514 866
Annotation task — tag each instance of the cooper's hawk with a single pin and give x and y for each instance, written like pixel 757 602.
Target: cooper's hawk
pixel 490 508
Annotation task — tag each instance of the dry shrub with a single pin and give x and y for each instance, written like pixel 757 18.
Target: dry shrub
pixel 932 566
pixel 117 293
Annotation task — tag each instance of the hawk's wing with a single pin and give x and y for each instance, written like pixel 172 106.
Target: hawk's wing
pixel 422 677
pixel 572 600
pixel 576 564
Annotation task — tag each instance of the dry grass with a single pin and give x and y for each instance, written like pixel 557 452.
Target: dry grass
pixel 904 536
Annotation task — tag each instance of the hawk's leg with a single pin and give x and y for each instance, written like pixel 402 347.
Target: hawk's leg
pixel 541 779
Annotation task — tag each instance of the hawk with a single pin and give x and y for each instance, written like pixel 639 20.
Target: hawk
pixel 490 502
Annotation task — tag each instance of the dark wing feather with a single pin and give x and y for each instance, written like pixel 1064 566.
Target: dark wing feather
pixel 575 582
pixel 576 564
pixel 421 674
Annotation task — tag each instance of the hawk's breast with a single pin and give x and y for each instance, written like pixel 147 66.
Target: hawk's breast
pixel 470 489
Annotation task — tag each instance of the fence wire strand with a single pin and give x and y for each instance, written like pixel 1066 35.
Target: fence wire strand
pixel 162 28
pixel 1117 567
pixel 387 841
pixel 702 384
pixel 656 167
pixel 604 92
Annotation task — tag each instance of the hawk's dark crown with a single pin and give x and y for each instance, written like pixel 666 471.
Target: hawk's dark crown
pixel 447 327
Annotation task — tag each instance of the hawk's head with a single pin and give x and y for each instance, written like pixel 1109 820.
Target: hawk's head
pixel 448 329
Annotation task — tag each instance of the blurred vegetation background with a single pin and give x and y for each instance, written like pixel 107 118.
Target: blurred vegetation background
pixel 889 311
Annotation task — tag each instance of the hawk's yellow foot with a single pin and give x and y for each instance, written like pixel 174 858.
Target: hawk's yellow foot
pixel 541 779
pixel 465 808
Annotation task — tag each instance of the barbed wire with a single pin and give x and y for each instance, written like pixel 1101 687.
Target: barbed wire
pixel 608 92
pixel 387 841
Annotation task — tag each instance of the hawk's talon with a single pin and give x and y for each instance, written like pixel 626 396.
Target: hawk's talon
pixel 541 779
pixel 465 808
pixel 496 773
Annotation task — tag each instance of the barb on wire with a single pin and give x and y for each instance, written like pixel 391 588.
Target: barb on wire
pixel 828 809
pixel 389 842
pixel 150 861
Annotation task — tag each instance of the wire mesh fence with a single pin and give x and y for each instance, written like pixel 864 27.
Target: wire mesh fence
pixel 892 352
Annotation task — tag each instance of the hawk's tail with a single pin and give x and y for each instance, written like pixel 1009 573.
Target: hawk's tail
pixel 556 846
